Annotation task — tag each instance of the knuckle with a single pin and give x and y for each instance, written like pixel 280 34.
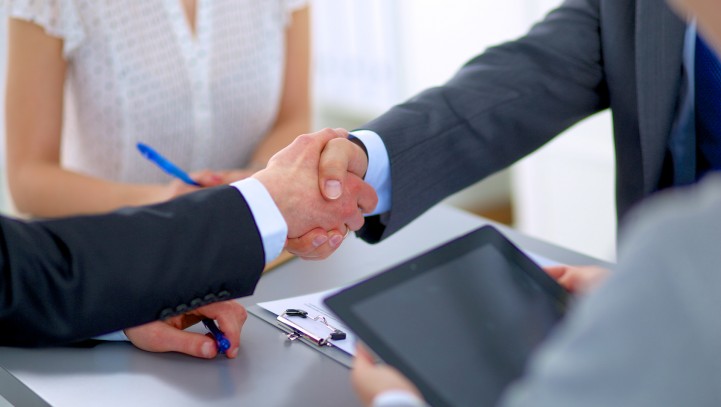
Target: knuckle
pixel 328 132
pixel 304 139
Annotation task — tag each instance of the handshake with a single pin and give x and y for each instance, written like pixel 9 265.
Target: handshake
pixel 317 184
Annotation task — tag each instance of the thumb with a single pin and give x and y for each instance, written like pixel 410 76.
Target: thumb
pixel 362 356
pixel 189 343
pixel 339 157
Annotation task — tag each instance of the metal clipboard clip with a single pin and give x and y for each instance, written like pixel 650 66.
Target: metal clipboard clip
pixel 297 331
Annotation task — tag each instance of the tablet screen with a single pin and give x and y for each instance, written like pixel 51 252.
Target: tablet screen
pixel 460 321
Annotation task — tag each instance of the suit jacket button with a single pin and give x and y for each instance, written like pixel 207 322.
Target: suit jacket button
pixel 166 313
pixel 181 309
pixel 210 298
pixel 196 303
pixel 224 295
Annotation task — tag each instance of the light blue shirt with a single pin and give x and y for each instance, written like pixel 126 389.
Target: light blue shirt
pixel 378 174
pixel 682 142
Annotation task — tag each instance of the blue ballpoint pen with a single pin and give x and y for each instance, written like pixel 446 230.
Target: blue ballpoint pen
pixel 165 164
pixel 220 340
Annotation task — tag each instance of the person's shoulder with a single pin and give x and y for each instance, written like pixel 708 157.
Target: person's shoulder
pixel 58 18
pixel 685 218
pixel 679 205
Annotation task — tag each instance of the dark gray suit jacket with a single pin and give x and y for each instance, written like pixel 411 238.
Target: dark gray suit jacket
pixel 72 279
pixel 586 56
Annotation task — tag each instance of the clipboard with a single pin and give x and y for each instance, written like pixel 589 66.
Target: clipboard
pixel 306 337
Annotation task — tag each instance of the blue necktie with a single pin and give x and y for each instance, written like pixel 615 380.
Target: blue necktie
pixel 708 107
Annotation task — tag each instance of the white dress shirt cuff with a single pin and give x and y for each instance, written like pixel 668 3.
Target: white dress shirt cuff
pixel 378 174
pixel 113 336
pixel 397 398
pixel 268 219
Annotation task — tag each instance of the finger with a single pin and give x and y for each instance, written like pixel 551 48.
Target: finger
pixel 350 154
pixel 317 141
pixel 306 147
pixel 307 243
pixel 363 355
pixel 569 281
pixel 556 272
pixel 336 239
pixel 341 132
pixel 170 339
pixel 355 221
pixel 322 252
pixel 367 197
pixel 339 157
pixel 207 178
pixel 303 248
pixel 230 317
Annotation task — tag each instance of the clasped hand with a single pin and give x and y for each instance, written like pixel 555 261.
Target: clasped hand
pixel 317 223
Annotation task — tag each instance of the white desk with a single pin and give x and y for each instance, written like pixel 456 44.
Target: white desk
pixel 269 370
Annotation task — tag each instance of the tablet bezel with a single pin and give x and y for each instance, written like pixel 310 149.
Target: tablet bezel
pixel 342 303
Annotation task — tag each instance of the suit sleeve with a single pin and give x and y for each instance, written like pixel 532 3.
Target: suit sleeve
pixel 499 107
pixel 71 279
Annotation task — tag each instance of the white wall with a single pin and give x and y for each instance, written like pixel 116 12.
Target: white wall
pixel 565 192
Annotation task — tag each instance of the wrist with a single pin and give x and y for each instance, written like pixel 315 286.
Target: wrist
pixel 268 217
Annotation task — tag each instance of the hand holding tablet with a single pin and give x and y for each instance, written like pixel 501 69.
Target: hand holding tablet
pixel 461 320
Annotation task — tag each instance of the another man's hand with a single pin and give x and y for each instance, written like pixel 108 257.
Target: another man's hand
pixel 169 335
pixel 291 178
pixel 340 159
pixel 370 379
pixel 578 279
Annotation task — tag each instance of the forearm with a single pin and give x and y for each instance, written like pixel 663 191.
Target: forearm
pixel 294 112
pixel 71 279
pixel 47 190
pixel 34 121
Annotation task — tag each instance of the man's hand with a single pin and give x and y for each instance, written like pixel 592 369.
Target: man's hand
pixel 340 159
pixel 291 178
pixel 169 335
pixel 370 379
pixel 578 279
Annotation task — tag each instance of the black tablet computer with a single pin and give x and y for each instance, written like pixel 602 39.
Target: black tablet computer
pixel 460 320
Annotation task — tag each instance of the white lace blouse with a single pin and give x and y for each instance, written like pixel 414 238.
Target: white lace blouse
pixel 137 73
